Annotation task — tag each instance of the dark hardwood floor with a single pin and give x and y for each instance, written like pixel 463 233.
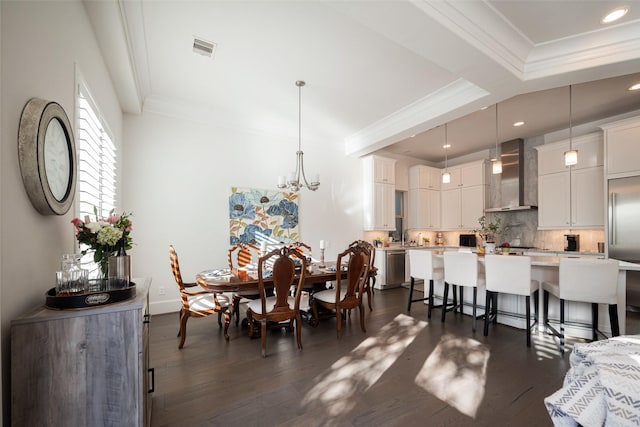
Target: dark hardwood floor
pixel 404 371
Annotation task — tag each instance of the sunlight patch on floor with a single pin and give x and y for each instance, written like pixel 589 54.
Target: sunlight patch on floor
pixel 455 372
pixel 359 370
pixel 548 346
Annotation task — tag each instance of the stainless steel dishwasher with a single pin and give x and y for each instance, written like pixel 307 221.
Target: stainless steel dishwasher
pixel 394 268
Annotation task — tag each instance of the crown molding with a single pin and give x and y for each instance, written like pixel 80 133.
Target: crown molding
pixel 402 123
pixel 484 28
pixel 593 49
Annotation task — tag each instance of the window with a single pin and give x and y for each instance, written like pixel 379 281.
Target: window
pixel 96 161
pixel 399 202
pixel 96 166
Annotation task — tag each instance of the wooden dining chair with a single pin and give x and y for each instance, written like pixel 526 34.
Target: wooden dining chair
pixel 345 295
pixel 373 270
pixel 281 306
pixel 198 303
pixel 239 256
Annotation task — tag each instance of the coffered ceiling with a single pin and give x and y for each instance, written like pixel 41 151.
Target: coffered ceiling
pixel 381 75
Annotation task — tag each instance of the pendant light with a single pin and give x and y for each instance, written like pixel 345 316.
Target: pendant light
pixel 446 176
pixel 497 163
pixel 571 156
pixel 296 180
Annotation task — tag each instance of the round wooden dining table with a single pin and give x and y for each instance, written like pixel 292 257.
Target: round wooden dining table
pixel 246 281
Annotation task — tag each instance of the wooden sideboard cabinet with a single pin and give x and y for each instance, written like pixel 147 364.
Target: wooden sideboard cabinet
pixel 87 367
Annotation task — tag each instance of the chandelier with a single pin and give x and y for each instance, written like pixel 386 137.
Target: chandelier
pixel 296 180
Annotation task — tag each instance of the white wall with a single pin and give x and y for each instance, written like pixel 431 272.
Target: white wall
pixel 178 175
pixel 42 42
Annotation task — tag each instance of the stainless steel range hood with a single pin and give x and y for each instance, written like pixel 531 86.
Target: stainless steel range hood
pixel 512 179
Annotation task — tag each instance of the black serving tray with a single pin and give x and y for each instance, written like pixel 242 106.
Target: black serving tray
pixel 89 299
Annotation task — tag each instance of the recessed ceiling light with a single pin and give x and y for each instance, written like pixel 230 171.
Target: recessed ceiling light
pixel 516 124
pixel 614 15
pixel 635 87
pixel 446 146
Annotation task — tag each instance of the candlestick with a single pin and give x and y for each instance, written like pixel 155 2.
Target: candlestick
pixel 322 257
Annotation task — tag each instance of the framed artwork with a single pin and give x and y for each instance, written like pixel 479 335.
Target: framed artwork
pixel 256 216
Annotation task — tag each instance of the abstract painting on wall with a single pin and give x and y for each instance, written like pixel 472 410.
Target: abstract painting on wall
pixel 262 215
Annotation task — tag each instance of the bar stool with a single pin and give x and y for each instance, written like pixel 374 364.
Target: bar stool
pixel 423 265
pixel 509 275
pixel 461 269
pixel 585 280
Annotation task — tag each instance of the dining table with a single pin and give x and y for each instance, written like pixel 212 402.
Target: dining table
pixel 245 281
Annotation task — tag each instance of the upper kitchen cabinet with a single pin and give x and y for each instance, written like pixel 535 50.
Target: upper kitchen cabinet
pixel 379 193
pixel 622 147
pixel 423 209
pixel 424 177
pixel 462 204
pixel 384 170
pixel 571 197
pixel 467 175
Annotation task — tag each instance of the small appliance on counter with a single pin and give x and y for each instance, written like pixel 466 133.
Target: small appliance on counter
pixel 468 240
pixel 439 239
pixel 572 243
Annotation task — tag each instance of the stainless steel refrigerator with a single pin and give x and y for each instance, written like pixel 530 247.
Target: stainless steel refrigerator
pixel 624 230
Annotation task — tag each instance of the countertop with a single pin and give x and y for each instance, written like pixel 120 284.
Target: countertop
pixel 547 252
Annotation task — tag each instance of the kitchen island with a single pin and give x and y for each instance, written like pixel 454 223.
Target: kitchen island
pixel 512 308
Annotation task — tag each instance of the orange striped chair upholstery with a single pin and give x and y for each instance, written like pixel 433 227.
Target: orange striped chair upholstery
pixel 197 303
pixel 238 256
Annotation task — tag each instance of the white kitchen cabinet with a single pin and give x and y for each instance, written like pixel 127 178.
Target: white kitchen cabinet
pixel 424 209
pixel 622 147
pixel 472 201
pixel 554 200
pixel 451 205
pixel 379 193
pixel 467 175
pixel 424 177
pixel 462 205
pixel 571 197
pixel 587 198
pixel 455 181
pixel 590 154
pixel 472 174
pixel 384 170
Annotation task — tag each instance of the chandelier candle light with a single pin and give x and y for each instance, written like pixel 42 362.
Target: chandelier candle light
pixel 323 244
pixel 292 181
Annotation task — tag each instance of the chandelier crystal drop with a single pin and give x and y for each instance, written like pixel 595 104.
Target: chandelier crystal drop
pixel 296 180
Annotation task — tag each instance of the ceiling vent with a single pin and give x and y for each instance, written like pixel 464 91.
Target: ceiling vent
pixel 203 47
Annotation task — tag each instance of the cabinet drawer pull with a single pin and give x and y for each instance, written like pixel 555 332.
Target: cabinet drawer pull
pixel 153 380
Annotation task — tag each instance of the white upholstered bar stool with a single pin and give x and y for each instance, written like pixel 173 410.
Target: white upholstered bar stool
pixel 509 275
pixel 588 280
pixel 461 269
pixel 423 265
